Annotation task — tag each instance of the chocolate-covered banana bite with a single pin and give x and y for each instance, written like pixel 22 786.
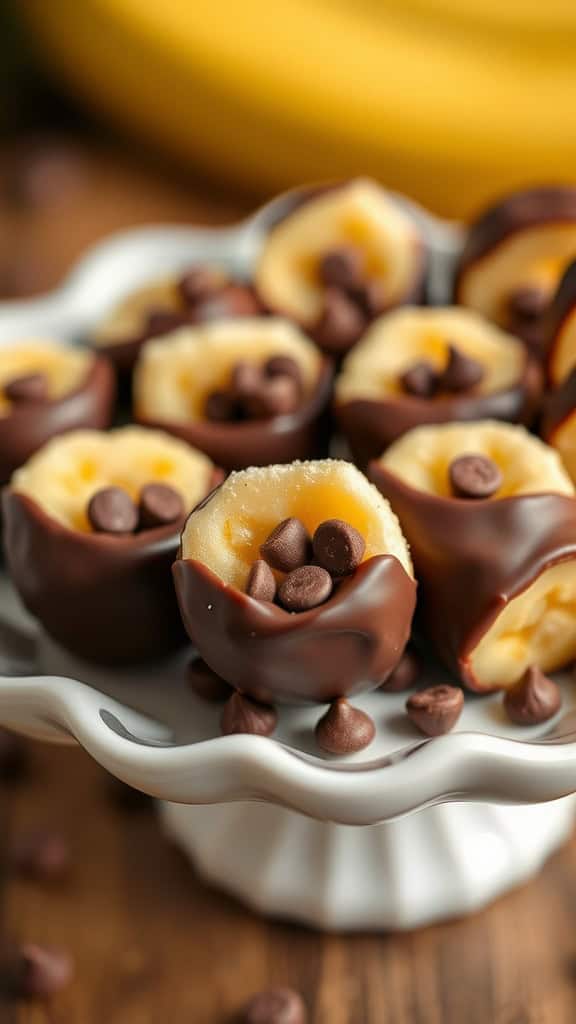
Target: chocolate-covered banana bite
pixel 339 257
pixel 295 582
pixel 48 388
pixel 514 256
pixel 246 392
pixel 92 526
pixel 199 295
pixel 490 515
pixel 422 365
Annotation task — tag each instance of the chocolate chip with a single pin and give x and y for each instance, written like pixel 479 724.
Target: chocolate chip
pixel 261 584
pixel 207 684
pixel 342 267
pixel 535 698
pixel 371 298
pixel 200 283
pixel 42 854
pixel 159 505
pixel 344 729
pixel 527 304
pixel 282 366
pixel 474 476
pixel 277 396
pixel 245 380
pixel 111 510
pixel 35 972
pixel 435 710
pixel 14 757
pixel 305 588
pixel 30 387
pixel 162 321
pixel 275 1006
pixel 404 676
pixel 420 380
pixel 221 407
pixel 338 547
pixel 241 714
pixel 288 546
pixel 232 301
pixel 461 372
pixel 341 322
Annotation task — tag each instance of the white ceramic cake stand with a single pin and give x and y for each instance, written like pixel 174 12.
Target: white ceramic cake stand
pixel 268 819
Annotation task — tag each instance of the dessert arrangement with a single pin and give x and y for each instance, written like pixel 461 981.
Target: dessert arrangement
pixel 329 485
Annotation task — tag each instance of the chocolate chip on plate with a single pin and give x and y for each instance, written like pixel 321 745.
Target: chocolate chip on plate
pixel 461 372
pixel 344 729
pixel 282 366
pixel 338 547
pixel 534 699
pixel 42 854
pixel 435 710
pixel 200 283
pixel 275 1006
pixel 341 322
pixel 243 715
pixel 342 267
pixel 404 676
pixel 159 505
pixel 474 476
pixel 221 407
pixel 261 584
pixel 288 546
pixel 527 303
pixel 111 510
pixel 206 683
pixel 305 588
pixel 34 972
pixel 420 380
pixel 30 387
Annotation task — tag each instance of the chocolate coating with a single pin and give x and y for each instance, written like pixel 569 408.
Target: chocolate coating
pixel 298 435
pixel 370 426
pixel 29 425
pixel 559 406
pixel 561 308
pixel 472 559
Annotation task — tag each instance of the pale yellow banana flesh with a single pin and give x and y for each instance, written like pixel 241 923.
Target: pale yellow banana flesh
pixel 64 367
pixel 127 319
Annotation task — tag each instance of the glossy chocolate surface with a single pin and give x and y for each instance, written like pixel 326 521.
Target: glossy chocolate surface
pixel 370 426
pixel 558 407
pixel 471 559
pixel 347 645
pixel 299 435
pixel 29 425
pixel 561 308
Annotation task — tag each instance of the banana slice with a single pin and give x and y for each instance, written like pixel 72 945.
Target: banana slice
pixel 498 576
pixel 64 367
pixel 359 214
pixel 128 318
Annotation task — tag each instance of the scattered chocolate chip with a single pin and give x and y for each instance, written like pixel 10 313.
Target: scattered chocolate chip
pixel 435 710
pixel 31 387
pixel 534 699
pixel 420 380
pixel 527 303
pixel 261 584
pixel 344 729
pixel 42 854
pixel 275 1006
pixel 277 396
pixel 338 547
pixel 341 322
pixel 241 714
pixel 232 301
pixel 474 476
pixel 288 546
pixel 111 510
pixel 305 588
pixel 162 321
pixel 246 380
pixel 461 373
pixel 35 972
pixel 14 757
pixel 200 283
pixel 159 505
pixel 221 407
pixel 404 676
pixel 282 366
pixel 342 268
pixel 371 298
pixel 206 683
pixel 126 798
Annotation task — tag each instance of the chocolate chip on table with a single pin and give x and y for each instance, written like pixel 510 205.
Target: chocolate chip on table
pixel 435 710
pixel 341 322
pixel 221 407
pixel 420 380
pixel 527 303
pixel 200 283
pixel 338 547
pixel 461 373
pixel 30 387
pixel 474 476
pixel 41 854
pixel 305 588
pixel 342 267
pixel 534 699
pixel 34 972
pixel 162 321
pixel 277 396
pixel 14 757
pixel 159 505
pixel 282 366
pixel 111 510
pixel 344 729
pixel 404 676
pixel 275 1006
pixel 206 683
pixel 261 584
pixel 288 546
pixel 241 714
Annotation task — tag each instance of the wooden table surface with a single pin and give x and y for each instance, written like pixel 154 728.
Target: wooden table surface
pixel 152 944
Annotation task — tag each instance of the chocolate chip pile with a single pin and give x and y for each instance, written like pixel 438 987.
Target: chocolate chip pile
pixel 204 294
pixel 29 387
pixel 111 509
pixel 351 297
pixel 257 392
pixel 313 565
pixel 461 373
pixel 474 477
